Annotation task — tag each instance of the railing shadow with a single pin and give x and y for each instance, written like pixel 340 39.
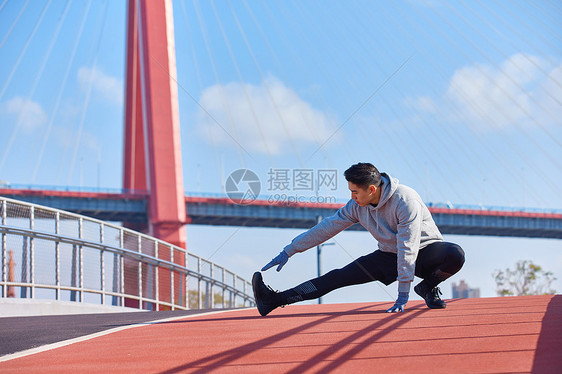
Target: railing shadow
pixel 391 323
pixel 221 359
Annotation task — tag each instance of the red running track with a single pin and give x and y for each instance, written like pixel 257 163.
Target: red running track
pixel 487 335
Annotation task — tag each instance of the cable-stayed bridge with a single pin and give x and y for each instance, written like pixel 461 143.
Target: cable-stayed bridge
pixel 464 99
pixel 460 100
pixel 254 39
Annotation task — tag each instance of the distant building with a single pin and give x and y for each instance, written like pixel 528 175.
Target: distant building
pixel 462 291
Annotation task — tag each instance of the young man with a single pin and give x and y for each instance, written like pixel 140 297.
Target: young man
pixel 409 244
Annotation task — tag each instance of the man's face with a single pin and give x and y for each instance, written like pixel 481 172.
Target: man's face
pixel 362 196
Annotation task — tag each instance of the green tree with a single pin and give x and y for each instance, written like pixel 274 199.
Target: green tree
pixel 526 279
pixel 194 299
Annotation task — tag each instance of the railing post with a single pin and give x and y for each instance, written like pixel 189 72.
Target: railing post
pixel 4 252
pixel 212 302
pixel 199 295
pixel 81 260
pixel 102 267
pixel 233 294
pixel 186 288
pixel 245 292
pixel 223 288
pixel 57 254
pixel 122 267
pixel 73 271
pixel 139 249
pixel 156 272
pixel 32 254
pixel 172 290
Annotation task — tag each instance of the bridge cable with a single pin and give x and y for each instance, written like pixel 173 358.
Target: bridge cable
pixel 517 84
pixel 445 158
pixel 85 106
pixel 461 143
pixel 61 91
pixel 449 130
pixel 545 14
pixel 507 95
pixel 282 71
pixel 504 139
pixel 294 24
pixel 457 112
pixel 448 146
pixel 272 19
pixel 24 49
pixel 224 103
pixel 521 129
pixel 34 86
pixel 333 58
pixel 200 86
pixel 14 23
pixel 520 36
pixel 266 85
pixel 243 85
pixel 15 130
pixel 3 4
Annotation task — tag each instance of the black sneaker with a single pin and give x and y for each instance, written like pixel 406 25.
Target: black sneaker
pixel 431 296
pixel 263 295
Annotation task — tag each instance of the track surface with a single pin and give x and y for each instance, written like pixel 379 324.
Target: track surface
pixel 488 335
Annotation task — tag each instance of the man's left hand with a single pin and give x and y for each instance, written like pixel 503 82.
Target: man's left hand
pixel 400 303
pixel 280 260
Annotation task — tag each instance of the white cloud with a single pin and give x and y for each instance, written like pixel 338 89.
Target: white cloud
pixel 108 87
pixel 30 114
pixel 522 91
pixel 515 92
pixel 422 103
pixel 262 118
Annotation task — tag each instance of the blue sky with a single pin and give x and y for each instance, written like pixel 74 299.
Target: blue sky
pixel 459 100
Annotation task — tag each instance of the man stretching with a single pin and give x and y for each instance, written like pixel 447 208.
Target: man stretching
pixel 409 243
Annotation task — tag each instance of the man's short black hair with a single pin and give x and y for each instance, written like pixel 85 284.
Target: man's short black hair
pixel 363 175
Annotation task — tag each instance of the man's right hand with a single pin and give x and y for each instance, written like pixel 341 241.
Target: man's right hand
pixel 280 260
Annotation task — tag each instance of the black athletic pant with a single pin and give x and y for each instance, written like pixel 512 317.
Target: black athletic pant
pixel 446 257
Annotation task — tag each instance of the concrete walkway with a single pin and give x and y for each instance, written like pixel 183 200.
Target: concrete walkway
pixel 38 307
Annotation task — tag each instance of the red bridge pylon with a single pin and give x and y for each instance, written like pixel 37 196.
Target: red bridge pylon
pixel 152 154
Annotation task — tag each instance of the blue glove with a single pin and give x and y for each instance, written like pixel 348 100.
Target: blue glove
pixel 400 302
pixel 280 260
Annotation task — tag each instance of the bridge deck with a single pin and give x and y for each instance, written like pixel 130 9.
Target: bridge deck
pixel 517 334
pixel 132 208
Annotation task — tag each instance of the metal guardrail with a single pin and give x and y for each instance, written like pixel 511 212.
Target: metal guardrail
pixel 65 256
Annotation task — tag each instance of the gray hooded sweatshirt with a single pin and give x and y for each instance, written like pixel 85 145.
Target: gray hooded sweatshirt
pixel 401 224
